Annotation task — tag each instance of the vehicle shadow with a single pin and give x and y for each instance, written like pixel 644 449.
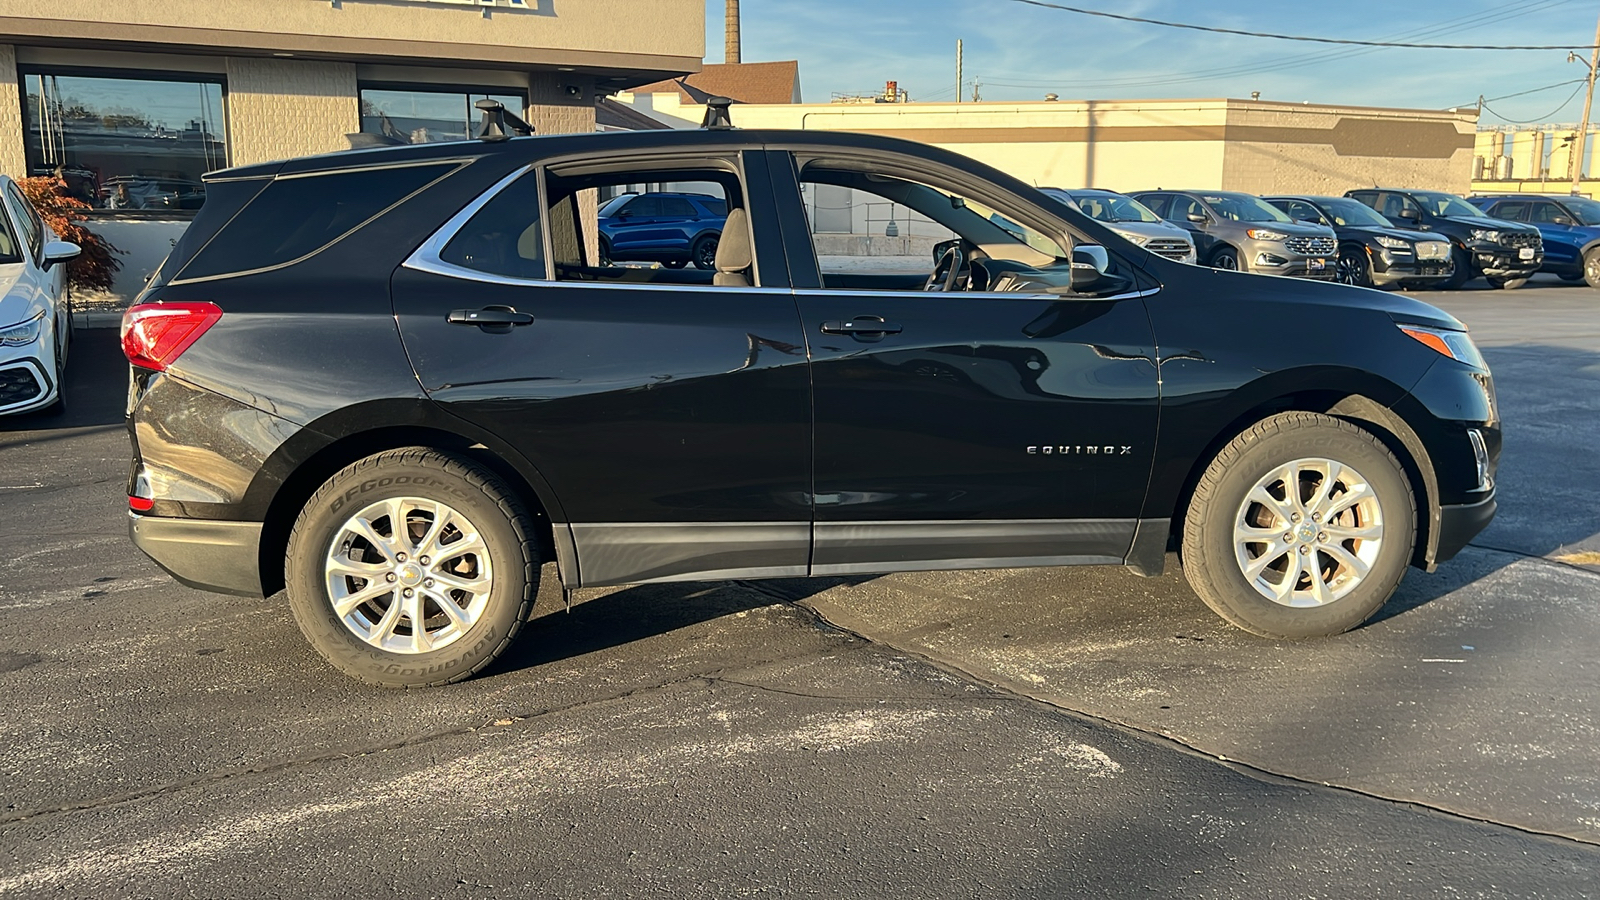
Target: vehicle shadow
pixel 96 381
pixel 625 615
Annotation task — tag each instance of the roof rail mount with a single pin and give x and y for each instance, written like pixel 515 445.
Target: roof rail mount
pixel 717 118
pixel 498 123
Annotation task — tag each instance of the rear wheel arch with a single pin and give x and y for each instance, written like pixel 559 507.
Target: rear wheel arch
pixel 291 495
pixel 1385 424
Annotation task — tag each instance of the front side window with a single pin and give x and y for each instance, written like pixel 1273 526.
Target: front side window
pixel 1546 213
pixel 1244 208
pixel 425 115
pixel 27 220
pixel 125 143
pixel 1347 213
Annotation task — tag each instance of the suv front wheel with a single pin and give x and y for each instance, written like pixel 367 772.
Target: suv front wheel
pixel 412 568
pixel 1301 527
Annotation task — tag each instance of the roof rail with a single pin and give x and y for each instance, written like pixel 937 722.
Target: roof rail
pixel 498 123
pixel 717 118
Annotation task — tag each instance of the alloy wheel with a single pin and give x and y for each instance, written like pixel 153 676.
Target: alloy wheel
pixel 1308 532
pixel 408 575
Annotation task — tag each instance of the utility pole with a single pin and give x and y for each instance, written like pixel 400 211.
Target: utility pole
pixel 1582 139
pixel 958 70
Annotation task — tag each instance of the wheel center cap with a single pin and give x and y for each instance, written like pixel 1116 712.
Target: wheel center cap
pixel 1307 532
pixel 409 575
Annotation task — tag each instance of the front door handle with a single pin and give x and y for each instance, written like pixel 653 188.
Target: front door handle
pixel 863 327
pixel 492 319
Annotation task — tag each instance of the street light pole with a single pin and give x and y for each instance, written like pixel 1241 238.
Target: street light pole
pixel 1582 139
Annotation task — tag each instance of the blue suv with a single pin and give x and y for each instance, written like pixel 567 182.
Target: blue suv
pixel 668 228
pixel 1570 227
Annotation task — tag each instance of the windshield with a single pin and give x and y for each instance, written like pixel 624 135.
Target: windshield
pixel 1244 208
pixel 1587 211
pixel 1110 207
pixel 614 204
pixel 1352 212
pixel 1447 205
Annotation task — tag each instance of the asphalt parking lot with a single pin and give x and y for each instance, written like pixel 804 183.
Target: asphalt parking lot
pixel 1074 732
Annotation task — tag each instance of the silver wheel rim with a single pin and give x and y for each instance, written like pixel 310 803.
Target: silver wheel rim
pixel 408 575
pixel 1348 270
pixel 1227 261
pixel 1308 532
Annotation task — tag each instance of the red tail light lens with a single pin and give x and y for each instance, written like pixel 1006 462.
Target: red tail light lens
pixel 155 334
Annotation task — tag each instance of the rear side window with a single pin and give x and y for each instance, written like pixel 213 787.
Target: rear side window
pixel 503 238
pixel 1515 210
pixel 297 216
pixel 715 207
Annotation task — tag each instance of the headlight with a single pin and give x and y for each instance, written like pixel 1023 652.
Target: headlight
pixel 1454 344
pixel 1389 243
pixel 23 334
pixel 1485 236
pixel 1139 239
pixel 1266 234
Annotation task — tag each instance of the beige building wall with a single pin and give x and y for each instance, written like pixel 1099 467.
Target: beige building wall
pixel 278 108
pixel 648 34
pixel 13 160
pixel 1134 145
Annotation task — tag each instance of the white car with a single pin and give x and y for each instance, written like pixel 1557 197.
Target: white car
pixel 35 318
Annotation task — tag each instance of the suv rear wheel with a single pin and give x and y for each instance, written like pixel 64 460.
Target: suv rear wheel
pixel 1301 527
pixel 412 568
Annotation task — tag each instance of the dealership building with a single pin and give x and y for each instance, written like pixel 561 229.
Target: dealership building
pixel 132 101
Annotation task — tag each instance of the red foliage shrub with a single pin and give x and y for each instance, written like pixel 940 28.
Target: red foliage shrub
pixel 98 262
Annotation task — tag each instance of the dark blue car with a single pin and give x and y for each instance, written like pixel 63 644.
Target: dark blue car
pixel 668 228
pixel 1570 227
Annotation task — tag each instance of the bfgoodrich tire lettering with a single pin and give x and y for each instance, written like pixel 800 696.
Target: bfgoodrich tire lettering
pixel 1336 467
pixel 358 600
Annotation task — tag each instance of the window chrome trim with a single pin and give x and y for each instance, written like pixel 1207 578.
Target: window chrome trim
pixel 978 295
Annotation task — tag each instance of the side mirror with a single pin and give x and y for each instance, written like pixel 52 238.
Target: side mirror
pixel 1563 220
pixel 1411 214
pixel 1197 218
pixel 1089 265
pixel 59 252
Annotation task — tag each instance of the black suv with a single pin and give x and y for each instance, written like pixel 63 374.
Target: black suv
pixel 1371 251
pixel 1505 253
pixel 394 382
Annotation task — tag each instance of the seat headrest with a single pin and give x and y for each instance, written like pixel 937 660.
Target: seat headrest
pixel 734 253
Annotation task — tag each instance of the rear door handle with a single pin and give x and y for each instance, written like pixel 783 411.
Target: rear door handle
pixel 865 326
pixel 493 319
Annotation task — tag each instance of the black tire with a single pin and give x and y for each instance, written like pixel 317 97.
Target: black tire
pixel 1225 258
pixel 676 263
pixel 704 252
pixel 1353 267
pixel 605 261
pixel 1210 560
pixel 1506 284
pixel 1591 268
pixel 1462 272
pixel 418 472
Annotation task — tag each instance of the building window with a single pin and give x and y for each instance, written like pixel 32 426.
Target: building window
pixel 424 115
pixel 125 142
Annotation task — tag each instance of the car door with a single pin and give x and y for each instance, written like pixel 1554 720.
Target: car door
pixel 678 223
pixel 966 429
pixel 1563 244
pixel 632 225
pixel 669 417
pixel 1183 207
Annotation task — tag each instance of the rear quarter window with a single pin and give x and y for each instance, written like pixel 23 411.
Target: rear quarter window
pixel 297 216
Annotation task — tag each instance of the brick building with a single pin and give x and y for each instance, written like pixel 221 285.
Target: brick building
pixel 133 100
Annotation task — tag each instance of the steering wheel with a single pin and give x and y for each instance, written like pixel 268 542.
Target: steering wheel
pixel 947 271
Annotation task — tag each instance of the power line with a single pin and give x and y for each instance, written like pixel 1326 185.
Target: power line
pixel 1295 37
pixel 1544 118
pixel 1448 26
pixel 1536 90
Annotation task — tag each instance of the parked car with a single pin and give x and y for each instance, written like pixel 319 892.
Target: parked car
pixel 1569 227
pixel 1131 219
pixel 672 229
pixel 394 383
pixel 1505 253
pixel 35 317
pixel 1371 251
pixel 1241 232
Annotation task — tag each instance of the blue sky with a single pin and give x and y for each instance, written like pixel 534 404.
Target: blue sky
pixel 1021 52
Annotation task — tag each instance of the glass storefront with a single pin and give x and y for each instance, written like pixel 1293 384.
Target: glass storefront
pixel 134 143
pixel 423 115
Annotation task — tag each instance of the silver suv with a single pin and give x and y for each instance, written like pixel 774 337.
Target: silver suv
pixel 1239 231
pixel 1131 219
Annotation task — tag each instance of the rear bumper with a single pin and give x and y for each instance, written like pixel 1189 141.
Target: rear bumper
pixel 210 555
pixel 1458 525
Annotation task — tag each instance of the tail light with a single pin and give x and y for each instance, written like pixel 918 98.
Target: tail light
pixel 155 334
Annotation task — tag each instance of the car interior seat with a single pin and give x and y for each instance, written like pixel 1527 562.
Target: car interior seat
pixel 734 253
